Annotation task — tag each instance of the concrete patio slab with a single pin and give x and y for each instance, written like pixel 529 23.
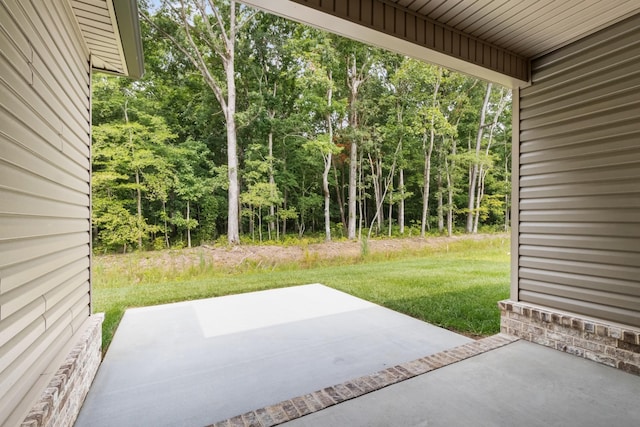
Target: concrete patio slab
pixel 517 384
pixel 198 362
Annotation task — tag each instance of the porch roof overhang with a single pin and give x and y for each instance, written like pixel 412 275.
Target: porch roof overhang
pixel 111 31
pixel 490 39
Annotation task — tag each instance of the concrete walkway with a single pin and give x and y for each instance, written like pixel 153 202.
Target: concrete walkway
pixel 199 362
pixel 520 384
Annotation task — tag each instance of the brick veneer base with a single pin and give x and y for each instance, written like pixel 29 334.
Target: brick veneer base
pixel 613 345
pixel 321 399
pixel 60 403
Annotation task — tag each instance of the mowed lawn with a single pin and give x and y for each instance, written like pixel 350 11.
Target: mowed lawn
pixel 455 285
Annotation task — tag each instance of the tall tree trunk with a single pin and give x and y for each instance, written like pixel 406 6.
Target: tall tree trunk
pixel 354 80
pixel 440 202
pixel 401 203
pixel 188 224
pixel 233 233
pixel 483 170
pixel 376 171
pixel 327 164
pixel 353 171
pixel 475 168
pixel 361 206
pixel 191 48
pixel 390 212
pixel 139 207
pixel 427 159
pixel 450 183
pixel 426 182
pixel 340 197
pixel 272 184
pixel 166 227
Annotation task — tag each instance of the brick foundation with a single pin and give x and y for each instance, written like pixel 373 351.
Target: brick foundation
pixel 60 403
pixel 610 344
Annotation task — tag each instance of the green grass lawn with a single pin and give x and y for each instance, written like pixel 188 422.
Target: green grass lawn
pixel 455 286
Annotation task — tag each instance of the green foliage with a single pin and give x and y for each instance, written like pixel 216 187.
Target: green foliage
pixel 160 144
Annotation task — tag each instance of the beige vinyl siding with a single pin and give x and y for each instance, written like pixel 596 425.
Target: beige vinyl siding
pixel 44 193
pixel 579 187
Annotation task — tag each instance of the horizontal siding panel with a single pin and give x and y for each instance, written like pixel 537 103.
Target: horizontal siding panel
pixel 594 136
pixel 62 23
pixel 12 37
pixel 70 291
pixel 602 147
pixel 588 295
pixel 571 79
pixel 585 163
pixel 615 286
pixel 32 141
pixel 19 156
pixel 582 229
pixel 583 124
pixel 12 55
pixel 47 55
pixel 11 326
pixel 27 181
pixel 619 315
pixel 14 277
pixel 607 188
pixel 598 175
pixel 627 100
pixel 23 227
pixel 31 364
pixel 50 279
pixel 630 259
pixel 21 342
pixel 17 251
pixel 615 80
pixel 28 204
pixel 76 291
pixel 628 244
pixel 581 215
pixel 585 268
pixel 615 201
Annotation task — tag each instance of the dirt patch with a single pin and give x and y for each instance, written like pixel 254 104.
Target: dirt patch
pixel 235 256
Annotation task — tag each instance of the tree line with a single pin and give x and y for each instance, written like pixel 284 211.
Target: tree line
pixel 247 124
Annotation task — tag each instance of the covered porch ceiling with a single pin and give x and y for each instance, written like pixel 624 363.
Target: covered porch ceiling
pixel 491 39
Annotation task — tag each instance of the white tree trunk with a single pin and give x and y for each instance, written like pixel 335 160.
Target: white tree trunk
pixel 401 202
pixel 475 168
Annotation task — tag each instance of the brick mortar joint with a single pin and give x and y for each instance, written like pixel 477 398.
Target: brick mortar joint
pixel 381 379
pixel 525 313
pixel 54 400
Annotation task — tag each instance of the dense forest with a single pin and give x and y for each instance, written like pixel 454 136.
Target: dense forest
pixel 249 126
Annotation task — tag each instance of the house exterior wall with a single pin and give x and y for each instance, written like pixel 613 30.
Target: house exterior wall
pixel 45 197
pixel 578 236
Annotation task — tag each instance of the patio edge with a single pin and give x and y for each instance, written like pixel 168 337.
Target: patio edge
pixel 300 406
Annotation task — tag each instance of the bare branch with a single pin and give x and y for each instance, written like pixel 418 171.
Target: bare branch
pixel 226 40
pixel 197 61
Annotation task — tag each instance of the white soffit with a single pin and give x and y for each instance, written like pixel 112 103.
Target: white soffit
pixel 98 24
pixel 526 27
